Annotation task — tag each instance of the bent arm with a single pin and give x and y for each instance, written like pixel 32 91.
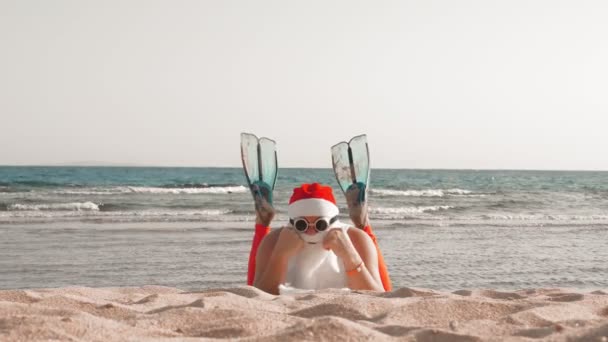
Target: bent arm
pixel 366 255
pixel 270 268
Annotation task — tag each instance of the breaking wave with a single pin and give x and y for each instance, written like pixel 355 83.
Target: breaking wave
pixel 409 210
pixel 544 217
pixel 154 215
pixel 178 189
pixel 422 193
pixel 75 206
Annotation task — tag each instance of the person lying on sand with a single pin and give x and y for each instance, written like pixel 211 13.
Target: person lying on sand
pixel 316 250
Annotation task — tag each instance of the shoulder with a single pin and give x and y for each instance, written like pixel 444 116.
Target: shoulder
pixel 274 233
pixel 359 237
pixel 271 239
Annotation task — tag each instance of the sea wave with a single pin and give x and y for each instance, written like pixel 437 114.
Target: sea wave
pixel 93 191
pixel 205 215
pixel 422 193
pixel 178 189
pixel 173 213
pixel 8 190
pixel 207 190
pixel 199 185
pixel 36 183
pixel 507 220
pixel 409 210
pixel 74 206
pixel 544 217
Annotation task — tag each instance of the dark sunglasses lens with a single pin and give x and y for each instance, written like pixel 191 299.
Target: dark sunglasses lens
pixel 321 225
pixel 301 225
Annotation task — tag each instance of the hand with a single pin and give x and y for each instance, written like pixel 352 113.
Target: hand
pixel 338 241
pixel 357 209
pixel 264 211
pixel 288 244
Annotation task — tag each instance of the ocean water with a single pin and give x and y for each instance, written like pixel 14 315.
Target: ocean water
pixel 192 227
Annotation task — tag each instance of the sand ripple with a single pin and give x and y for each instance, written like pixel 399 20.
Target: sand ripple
pixel 162 314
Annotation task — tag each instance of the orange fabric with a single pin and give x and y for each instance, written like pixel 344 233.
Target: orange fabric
pixel 355 270
pixel 260 232
pixel 386 280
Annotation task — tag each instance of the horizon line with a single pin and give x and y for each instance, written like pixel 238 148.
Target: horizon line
pixel 290 167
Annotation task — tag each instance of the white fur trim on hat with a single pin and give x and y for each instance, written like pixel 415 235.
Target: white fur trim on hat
pixel 312 207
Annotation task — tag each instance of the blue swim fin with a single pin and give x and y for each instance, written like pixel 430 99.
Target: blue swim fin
pixel 351 165
pixel 259 157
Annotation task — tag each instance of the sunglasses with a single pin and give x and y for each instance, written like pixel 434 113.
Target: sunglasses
pixel 321 224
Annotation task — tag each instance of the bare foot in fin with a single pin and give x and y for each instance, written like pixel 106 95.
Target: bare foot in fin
pixel 264 211
pixel 357 205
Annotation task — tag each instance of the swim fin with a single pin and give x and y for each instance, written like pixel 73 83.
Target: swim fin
pixel 259 157
pixel 351 165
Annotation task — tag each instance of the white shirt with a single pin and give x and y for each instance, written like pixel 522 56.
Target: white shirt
pixel 315 268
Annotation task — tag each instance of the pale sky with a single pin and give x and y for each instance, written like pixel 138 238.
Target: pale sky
pixel 435 84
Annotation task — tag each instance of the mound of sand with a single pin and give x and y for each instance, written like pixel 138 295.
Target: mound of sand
pixel 161 313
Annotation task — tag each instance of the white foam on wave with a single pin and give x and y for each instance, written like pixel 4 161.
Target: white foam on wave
pixel 28 212
pixel 74 206
pixel 544 217
pixel 457 191
pixel 421 193
pixel 94 191
pixel 409 210
pixel 152 213
pixel 210 190
pixel 153 190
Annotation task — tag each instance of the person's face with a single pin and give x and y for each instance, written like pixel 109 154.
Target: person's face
pixel 311 234
pixel 311 230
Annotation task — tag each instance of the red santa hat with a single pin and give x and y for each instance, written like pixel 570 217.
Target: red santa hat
pixel 312 200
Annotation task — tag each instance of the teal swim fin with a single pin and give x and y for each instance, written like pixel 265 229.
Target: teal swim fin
pixel 259 158
pixel 351 165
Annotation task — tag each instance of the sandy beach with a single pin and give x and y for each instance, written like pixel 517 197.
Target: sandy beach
pixel 153 313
